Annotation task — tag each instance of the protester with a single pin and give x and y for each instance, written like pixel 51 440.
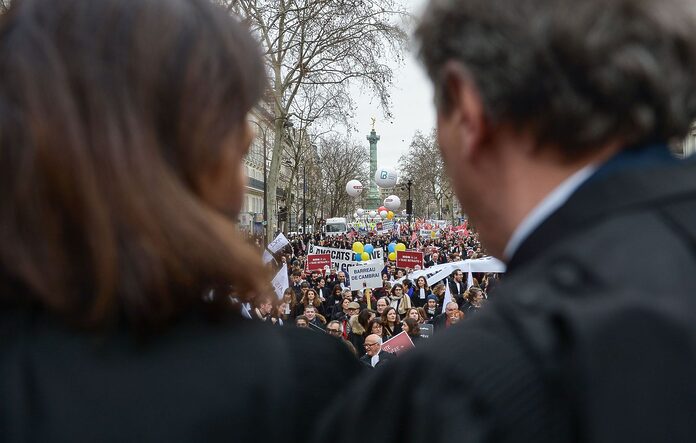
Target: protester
pixel 411 327
pixel 382 304
pixel 358 328
pixel 314 319
pixel 432 308
pixel 375 327
pixel 448 318
pixel 554 123
pixel 421 292
pixel 374 356
pixel 338 331
pixel 391 323
pixel 302 322
pixel 474 299
pixel 399 300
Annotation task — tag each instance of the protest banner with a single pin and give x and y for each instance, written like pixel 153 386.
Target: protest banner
pixel 438 272
pixel 317 262
pixel 387 227
pixel 409 259
pixel 398 344
pixel 342 259
pixel 367 274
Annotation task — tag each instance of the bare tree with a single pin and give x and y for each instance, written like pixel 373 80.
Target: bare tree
pixel 339 161
pixel 431 190
pixel 4 6
pixel 314 49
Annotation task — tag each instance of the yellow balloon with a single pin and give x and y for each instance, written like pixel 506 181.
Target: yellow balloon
pixel 390 215
pixel 392 256
pixel 365 256
pixel 433 234
pixel 358 247
pixel 400 247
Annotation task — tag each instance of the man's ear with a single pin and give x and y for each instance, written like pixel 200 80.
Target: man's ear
pixel 465 107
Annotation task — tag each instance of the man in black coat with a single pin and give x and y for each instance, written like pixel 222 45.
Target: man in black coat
pixel 557 124
pixel 374 356
pixel 457 286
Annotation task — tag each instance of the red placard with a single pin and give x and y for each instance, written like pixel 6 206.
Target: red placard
pixel 399 343
pixel 409 259
pixel 316 262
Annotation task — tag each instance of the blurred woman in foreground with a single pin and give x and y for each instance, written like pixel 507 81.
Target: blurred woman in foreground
pixel 123 125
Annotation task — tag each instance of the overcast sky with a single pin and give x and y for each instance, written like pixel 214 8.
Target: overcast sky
pixel 412 107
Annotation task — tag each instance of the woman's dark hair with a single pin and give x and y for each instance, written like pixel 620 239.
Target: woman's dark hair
pixel 388 309
pixel 413 326
pixel 398 285
pixel 305 299
pixel 425 283
pixel 370 325
pixel 364 317
pixel 115 115
pixel 472 293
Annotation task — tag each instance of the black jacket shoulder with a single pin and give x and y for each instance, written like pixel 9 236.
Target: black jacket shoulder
pixel 197 382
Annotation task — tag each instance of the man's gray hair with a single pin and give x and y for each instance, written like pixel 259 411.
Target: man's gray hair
pixel 579 73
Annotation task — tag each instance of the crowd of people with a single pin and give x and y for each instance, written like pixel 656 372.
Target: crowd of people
pixel 324 301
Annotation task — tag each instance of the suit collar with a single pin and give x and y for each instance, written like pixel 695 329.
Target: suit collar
pixel 624 183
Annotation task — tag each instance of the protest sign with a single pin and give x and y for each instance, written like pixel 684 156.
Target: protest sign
pixel 267 257
pixel 280 281
pixel 366 274
pixel 409 259
pixel 279 243
pixel 398 344
pixel 426 330
pixel 387 226
pixel 317 262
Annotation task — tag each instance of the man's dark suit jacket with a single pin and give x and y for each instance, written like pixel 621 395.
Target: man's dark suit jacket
pixel 384 358
pixel 592 337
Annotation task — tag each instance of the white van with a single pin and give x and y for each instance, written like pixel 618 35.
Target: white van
pixel 336 226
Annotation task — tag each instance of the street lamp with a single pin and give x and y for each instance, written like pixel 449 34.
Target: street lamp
pixel 409 202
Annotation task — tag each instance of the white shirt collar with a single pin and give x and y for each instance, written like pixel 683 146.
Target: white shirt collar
pixel 553 200
pixel 374 360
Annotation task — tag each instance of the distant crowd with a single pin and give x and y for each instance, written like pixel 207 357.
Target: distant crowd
pixel 325 303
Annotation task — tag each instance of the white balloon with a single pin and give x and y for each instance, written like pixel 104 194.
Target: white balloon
pixel 372 214
pixel 386 177
pixel 392 202
pixel 360 212
pixel 355 215
pixel 354 188
pixel 383 214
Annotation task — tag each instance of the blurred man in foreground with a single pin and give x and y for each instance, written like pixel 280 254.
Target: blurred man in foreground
pixel 553 119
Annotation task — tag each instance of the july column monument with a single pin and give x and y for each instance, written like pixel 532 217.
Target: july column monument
pixel 374 199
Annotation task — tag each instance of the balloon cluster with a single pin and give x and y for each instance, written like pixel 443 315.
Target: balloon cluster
pixel 393 248
pixel 362 252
